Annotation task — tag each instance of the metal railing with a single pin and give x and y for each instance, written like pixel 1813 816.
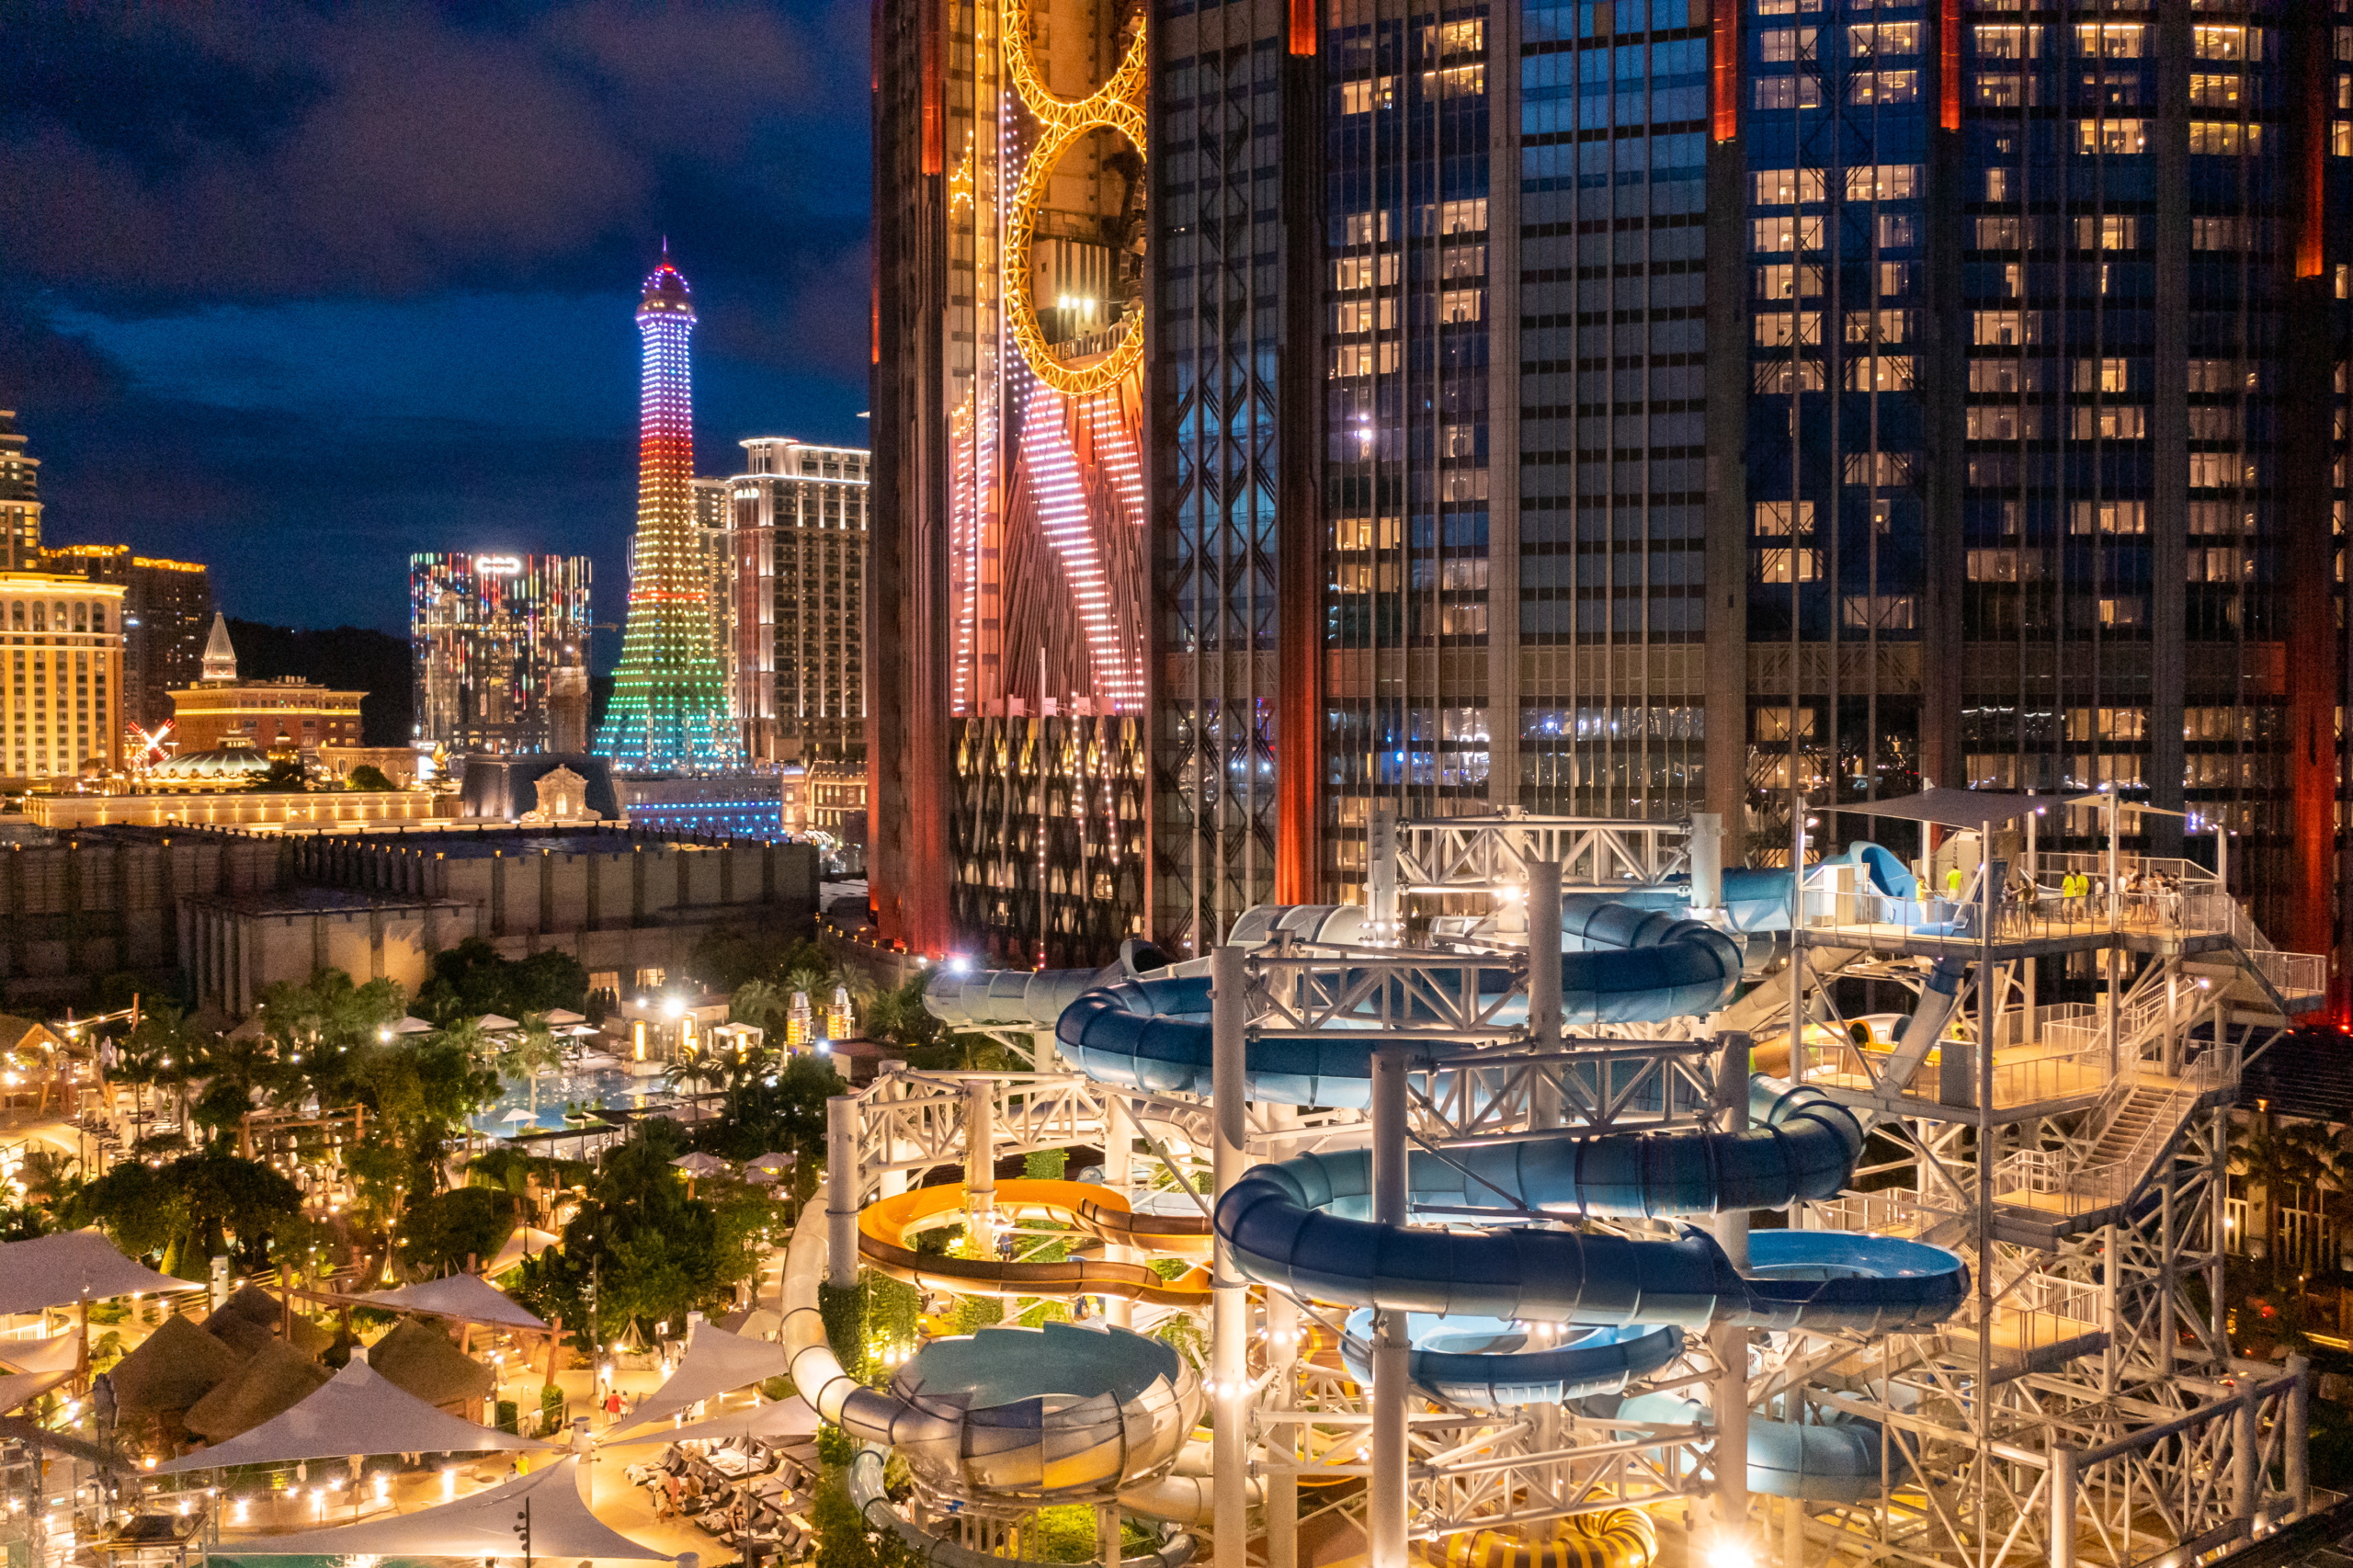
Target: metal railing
pixel 2068 1071
pixel 2078 1189
pixel 2292 975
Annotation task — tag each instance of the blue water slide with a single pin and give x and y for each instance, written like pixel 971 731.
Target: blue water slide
pixel 1492 1364
pixel 1832 1460
pixel 1629 965
pixel 1300 1224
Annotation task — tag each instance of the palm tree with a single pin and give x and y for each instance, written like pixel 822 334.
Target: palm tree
pixel 759 1002
pixel 2277 1157
pixel 535 1051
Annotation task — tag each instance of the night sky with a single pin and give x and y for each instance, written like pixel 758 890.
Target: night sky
pixel 295 291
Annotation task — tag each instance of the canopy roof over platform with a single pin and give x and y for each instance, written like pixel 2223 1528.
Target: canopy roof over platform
pixel 56 1272
pixel 480 1526
pixel 1950 808
pixel 462 1296
pixel 358 1410
pixel 716 1362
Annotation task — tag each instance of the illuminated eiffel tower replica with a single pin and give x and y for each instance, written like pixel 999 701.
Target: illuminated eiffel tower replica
pixel 668 712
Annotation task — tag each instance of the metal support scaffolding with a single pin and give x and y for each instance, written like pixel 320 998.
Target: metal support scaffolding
pixel 2081 1408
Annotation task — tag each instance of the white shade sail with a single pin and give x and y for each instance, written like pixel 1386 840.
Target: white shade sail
pixel 527 1242
pixel 58 1353
pixel 773 1422
pixel 358 1410
pixel 716 1362
pixel 480 1526
pixel 461 1296
pixel 23 1388
pixel 56 1272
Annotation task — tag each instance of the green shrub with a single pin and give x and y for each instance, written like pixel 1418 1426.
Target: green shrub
pixel 844 1312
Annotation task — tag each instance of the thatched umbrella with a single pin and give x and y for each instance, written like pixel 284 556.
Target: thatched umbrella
pixel 274 1381
pixel 418 1357
pixel 175 1368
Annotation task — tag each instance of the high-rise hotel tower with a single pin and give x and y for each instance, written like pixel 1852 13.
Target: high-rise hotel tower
pixel 668 712
pixel 1603 408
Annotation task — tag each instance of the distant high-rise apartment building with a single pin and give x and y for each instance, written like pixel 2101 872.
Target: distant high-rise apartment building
pixel 718 562
pixel 668 712
pixel 1615 410
pixel 167 609
pixel 20 499
pixel 796 537
pixel 488 633
pixel 63 712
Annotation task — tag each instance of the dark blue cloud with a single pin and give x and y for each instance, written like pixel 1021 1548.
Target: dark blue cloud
pixel 303 288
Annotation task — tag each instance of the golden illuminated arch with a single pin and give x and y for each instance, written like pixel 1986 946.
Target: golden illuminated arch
pixel 1118 106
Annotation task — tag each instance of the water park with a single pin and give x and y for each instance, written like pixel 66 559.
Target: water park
pixel 1574 1201
pixel 1578 1199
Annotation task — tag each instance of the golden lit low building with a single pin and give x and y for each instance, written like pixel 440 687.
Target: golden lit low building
pixel 64 696
pixel 663 1026
pixel 262 715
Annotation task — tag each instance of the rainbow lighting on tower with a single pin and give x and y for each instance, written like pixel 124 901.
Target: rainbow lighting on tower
pixel 668 712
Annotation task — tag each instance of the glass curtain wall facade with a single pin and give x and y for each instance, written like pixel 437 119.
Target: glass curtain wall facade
pixel 2005 470
pixel 1237 380
pixel 1515 431
pixel 2023 512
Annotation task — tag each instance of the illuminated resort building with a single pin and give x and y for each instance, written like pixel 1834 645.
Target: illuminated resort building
pixel 20 499
pixel 63 718
pixel 223 712
pixel 668 712
pixel 794 540
pixel 1009 570
pixel 488 633
pixel 1703 400
pixel 166 611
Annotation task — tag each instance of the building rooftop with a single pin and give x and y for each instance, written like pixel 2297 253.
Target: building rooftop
pixel 318 900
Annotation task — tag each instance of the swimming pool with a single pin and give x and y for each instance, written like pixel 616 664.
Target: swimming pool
pixel 601 1089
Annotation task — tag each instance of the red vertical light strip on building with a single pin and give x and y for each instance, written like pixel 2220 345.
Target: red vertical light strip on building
pixel 1948 64
pixel 2314 147
pixel 1724 71
pixel 932 52
pixel 1302 27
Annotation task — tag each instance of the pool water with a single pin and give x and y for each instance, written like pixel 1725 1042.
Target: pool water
pixel 604 1089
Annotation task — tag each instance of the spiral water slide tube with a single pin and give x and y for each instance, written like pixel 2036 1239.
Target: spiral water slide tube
pixel 884 1225
pixel 1630 966
pixel 1066 1413
pixel 1300 1224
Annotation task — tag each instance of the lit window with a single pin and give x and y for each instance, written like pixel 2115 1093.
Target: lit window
pixel 2099 375
pixel 1780 188
pixel 2109 40
pixel 2213 43
pixel 1787 92
pixel 2114 137
pixel 1884 87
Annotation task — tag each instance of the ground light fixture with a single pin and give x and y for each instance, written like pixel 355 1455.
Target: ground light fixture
pixel 1731 1551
